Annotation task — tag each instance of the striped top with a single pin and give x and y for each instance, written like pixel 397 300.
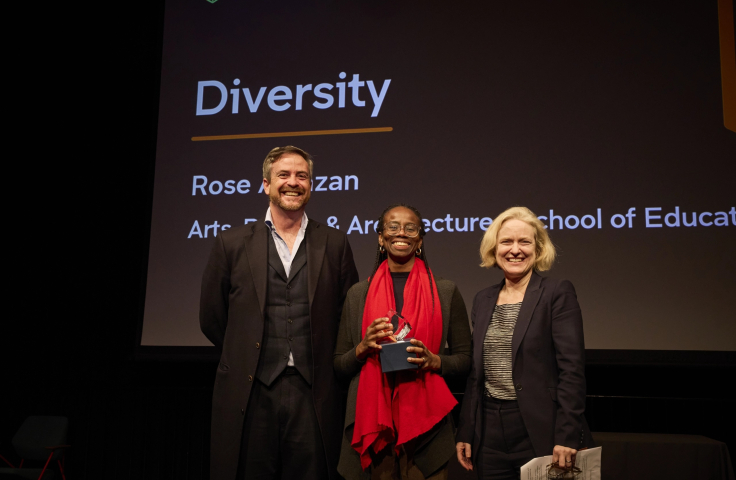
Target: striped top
pixel 497 352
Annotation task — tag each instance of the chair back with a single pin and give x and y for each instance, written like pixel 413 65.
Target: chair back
pixel 38 432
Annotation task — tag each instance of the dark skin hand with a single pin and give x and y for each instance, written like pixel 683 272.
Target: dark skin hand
pixel 382 328
pixel 425 359
pixel 376 331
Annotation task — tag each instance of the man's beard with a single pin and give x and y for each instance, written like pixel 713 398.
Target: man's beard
pixel 291 206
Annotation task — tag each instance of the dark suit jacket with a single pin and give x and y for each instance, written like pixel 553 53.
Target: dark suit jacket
pixel 548 367
pixel 231 316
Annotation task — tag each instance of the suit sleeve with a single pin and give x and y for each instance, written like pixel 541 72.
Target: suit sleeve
pixel 458 339
pixel 465 426
pixel 213 301
pixel 569 343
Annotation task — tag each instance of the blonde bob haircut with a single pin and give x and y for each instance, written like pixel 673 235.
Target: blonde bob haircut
pixel 544 249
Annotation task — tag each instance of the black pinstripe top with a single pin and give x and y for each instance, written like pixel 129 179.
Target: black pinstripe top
pixel 497 352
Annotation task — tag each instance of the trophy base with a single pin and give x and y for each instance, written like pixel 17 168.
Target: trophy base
pixel 393 357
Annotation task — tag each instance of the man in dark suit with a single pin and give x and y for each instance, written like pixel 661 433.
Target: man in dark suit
pixel 272 294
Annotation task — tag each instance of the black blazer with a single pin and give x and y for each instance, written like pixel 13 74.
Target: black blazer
pixel 548 367
pixel 231 316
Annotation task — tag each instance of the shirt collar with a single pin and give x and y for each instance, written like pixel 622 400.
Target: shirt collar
pixel 269 222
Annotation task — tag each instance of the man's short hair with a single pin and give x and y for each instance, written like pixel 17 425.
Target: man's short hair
pixel 544 250
pixel 274 155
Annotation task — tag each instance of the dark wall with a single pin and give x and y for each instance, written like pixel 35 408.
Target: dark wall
pixel 150 419
pixel 79 288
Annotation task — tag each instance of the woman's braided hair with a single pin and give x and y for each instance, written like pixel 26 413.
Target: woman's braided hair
pixel 382 255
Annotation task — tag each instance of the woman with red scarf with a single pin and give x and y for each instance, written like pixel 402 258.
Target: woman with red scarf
pixel 398 424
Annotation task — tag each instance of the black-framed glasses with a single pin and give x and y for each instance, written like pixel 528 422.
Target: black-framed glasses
pixel 555 472
pixel 394 228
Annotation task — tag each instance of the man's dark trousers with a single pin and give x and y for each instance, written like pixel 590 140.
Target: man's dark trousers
pixel 232 316
pixel 281 436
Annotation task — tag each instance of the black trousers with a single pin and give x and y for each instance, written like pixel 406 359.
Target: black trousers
pixel 281 436
pixel 505 445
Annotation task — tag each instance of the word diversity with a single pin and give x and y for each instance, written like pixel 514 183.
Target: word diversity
pixel 280 98
pixel 654 217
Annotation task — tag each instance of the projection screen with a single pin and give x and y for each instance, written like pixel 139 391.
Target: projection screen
pixel 604 118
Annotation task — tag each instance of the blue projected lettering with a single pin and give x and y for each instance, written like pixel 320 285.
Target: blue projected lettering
pixel 278 97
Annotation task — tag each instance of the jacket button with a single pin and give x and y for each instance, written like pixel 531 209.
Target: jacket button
pixel 288 304
pixel 290 321
pixel 290 338
pixel 258 345
pixel 288 287
pixel 518 386
pixel 250 378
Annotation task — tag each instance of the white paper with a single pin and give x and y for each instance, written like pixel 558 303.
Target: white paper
pixel 589 461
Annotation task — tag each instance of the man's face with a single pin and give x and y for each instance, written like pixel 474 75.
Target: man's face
pixel 289 186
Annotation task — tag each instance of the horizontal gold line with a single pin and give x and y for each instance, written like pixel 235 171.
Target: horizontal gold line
pixel 293 134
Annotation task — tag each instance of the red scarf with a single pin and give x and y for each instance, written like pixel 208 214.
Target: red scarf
pixel 420 397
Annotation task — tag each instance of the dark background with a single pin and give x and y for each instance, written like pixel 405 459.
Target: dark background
pixel 568 106
pixel 77 276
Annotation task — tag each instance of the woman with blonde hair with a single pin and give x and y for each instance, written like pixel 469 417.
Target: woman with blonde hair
pixel 525 396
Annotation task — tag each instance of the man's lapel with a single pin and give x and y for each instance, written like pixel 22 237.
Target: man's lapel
pixel 300 259
pixel 274 259
pixel 531 298
pixel 316 236
pixel 256 247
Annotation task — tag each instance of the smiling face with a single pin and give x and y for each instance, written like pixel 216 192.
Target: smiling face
pixel 289 187
pixel 516 249
pixel 400 248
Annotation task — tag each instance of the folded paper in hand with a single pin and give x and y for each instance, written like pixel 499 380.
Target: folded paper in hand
pixel 588 461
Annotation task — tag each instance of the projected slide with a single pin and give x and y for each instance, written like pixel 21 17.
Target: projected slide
pixel 604 118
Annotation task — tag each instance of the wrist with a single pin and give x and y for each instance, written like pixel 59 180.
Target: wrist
pixel 436 364
pixel 360 352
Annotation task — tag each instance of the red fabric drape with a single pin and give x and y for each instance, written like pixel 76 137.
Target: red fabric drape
pixel 419 398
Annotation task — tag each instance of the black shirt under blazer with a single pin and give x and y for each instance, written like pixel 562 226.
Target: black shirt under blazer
pixel 548 367
pixel 434 448
pixel 231 315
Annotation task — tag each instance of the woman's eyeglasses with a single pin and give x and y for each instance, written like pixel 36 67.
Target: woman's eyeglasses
pixel 394 228
pixel 555 472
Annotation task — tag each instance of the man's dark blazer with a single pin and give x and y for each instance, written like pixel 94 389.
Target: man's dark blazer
pixel 548 367
pixel 231 316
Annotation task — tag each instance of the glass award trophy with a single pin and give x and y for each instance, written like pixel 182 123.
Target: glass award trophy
pixel 393 350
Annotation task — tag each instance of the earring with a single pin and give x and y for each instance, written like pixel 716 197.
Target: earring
pixel 419 251
pixel 381 249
